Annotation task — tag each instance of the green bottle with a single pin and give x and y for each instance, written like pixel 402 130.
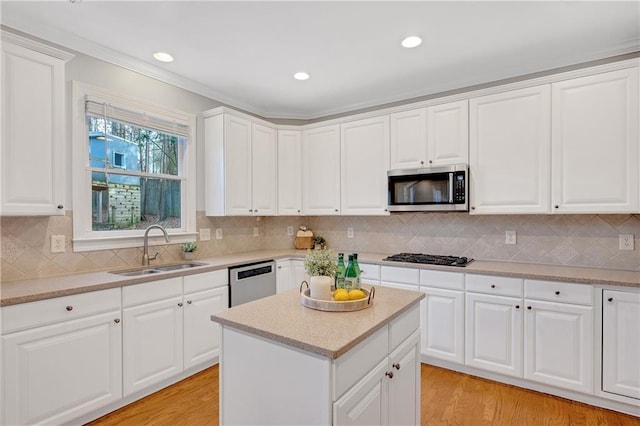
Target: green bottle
pixel 357 268
pixel 351 276
pixel 340 272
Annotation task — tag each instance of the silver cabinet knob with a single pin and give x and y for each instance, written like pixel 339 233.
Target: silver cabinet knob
pixel 389 374
pixel 396 366
pixel 180 304
pixel 69 308
pixel 117 320
pixel 189 302
pixel 60 206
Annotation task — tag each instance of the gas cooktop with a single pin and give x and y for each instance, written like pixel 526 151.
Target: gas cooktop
pixel 429 259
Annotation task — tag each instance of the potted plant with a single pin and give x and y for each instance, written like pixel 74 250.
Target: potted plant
pixel 319 242
pixel 321 267
pixel 188 248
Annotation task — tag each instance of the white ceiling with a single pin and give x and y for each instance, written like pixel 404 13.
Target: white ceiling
pixel 244 53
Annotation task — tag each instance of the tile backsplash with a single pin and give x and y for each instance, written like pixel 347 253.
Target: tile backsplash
pixel 576 240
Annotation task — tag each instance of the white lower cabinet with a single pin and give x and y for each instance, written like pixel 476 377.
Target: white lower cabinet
pixel 558 343
pixel 621 343
pixel 284 276
pixel 298 273
pixel 442 315
pixel 366 403
pixel 56 372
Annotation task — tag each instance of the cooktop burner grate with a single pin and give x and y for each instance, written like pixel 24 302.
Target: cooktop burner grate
pixel 429 259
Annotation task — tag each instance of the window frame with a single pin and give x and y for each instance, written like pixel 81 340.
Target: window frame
pixel 84 237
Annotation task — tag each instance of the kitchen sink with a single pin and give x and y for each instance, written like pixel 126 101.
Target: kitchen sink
pixel 147 270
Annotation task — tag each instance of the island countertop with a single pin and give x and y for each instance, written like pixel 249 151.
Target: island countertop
pixel 281 318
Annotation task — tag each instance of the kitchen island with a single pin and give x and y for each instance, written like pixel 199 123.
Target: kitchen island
pixel 283 363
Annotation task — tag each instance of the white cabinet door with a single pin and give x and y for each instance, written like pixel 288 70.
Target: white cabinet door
pixel 59 372
pixel 621 343
pixel 448 133
pixel 298 273
pixel 321 171
pixel 404 385
pixel 237 147
pixel 509 151
pixel 595 143
pixel 408 139
pixel 558 345
pixel 442 324
pixel 289 172
pixel 32 149
pixel 152 339
pixel 264 170
pixel 284 276
pixel 201 335
pixel 366 403
pixel 493 334
pixel 364 161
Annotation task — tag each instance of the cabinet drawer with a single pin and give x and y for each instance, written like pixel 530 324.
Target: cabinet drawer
pixel 439 279
pixel 151 291
pixel 503 286
pixel 402 327
pixel 554 291
pixel 356 363
pixel 206 281
pixel 394 274
pixel 369 272
pixel 43 312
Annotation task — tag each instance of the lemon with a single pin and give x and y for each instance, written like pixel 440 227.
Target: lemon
pixel 340 295
pixel 356 294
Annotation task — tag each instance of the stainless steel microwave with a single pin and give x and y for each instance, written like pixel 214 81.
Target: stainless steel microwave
pixel 429 189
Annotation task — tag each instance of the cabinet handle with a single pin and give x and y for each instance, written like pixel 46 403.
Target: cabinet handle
pixel 255 211
pixel 69 308
pixel 396 366
pixel 493 286
pixel 280 267
pixel 298 211
pixel 529 307
pixel 430 162
pixel 336 210
pixel 250 210
pixel 60 207
pixel 610 299
pixel 556 206
pixel 117 320
pixel 180 304
pixel 389 374
pixel 557 293
pixel 421 162
pixel 189 302
pixel 473 207
pixel 517 306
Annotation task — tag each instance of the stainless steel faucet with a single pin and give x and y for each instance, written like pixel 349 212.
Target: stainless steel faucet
pixel 145 255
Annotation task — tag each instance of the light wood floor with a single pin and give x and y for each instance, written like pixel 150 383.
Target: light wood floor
pixel 448 398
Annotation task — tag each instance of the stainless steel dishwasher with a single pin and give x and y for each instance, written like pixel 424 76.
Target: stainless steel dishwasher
pixel 251 282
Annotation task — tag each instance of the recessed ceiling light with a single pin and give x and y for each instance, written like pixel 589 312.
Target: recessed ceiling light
pixel 163 57
pixel 301 76
pixel 411 41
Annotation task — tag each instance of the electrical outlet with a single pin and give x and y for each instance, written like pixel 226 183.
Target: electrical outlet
pixel 205 234
pixel 256 231
pixel 349 232
pixel 57 244
pixel 510 237
pixel 626 242
pixel 218 233
pixel 290 231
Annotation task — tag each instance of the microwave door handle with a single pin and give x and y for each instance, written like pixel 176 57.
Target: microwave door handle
pixel 450 188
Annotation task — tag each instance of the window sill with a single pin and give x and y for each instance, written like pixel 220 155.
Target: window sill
pixel 120 242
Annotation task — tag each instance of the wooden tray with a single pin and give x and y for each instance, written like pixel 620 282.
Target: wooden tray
pixel 332 305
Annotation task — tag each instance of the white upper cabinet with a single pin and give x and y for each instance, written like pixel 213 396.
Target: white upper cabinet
pixel 321 171
pixel 33 128
pixel 433 136
pixel 289 172
pixel 595 143
pixel 509 149
pixel 364 161
pixel 448 133
pixel 240 166
pixel 408 139
pixel 264 169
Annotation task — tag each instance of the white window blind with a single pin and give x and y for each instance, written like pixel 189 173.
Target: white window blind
pixel 102 109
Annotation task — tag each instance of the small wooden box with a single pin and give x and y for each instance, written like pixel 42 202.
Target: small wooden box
pixel 303 243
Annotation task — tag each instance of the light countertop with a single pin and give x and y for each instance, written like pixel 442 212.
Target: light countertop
pixel 282 318
pixel 14 292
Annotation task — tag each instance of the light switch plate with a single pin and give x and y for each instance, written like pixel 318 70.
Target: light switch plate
pixel 205 234
pixel 510 237
pixel 218 233
pixel 290 231
pixel 57 244
pixel 349 232
pixel 626 242
pixel 256 231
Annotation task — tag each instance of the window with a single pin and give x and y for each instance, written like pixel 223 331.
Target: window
pixel 131 167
